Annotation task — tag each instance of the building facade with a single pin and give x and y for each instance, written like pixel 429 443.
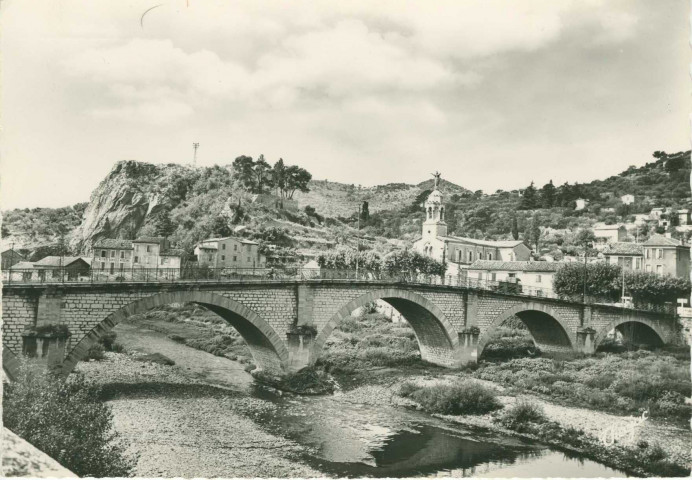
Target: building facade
pixel 537 276
pixel 112 255
pixel 229 252
pixel 460 252
pixel 627 199
pixel 610 233
pixel 629 256
pixel 666 256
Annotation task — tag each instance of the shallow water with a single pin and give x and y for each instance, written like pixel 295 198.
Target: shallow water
pixel 353 440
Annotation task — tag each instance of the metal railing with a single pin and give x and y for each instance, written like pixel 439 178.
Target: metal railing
pixel 203 274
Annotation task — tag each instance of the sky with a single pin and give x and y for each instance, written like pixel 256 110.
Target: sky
pixel 493 94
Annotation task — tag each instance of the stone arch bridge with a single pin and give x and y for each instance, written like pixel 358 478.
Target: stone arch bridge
pixel 286 323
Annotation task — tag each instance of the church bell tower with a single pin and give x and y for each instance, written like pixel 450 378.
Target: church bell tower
pixel 434 225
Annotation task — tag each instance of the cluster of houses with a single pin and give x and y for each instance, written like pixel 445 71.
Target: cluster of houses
pixel 139 259
pixel 510 261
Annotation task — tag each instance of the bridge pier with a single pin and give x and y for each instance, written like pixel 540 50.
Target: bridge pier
pixel 586 341
pixel 467 350
pixel 299 343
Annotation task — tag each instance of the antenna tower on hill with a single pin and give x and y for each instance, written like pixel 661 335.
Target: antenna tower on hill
pixel 195 146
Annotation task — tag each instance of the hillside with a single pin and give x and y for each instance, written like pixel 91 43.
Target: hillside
pixel 189 204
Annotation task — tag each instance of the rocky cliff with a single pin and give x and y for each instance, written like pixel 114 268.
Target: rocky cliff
pixel 121 203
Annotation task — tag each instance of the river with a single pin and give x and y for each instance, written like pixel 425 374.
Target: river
pixel 346 439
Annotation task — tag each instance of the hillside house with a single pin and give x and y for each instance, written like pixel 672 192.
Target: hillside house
pixel 11 257
pixel 628 255
pixel 627 199
pixel 460 252
pixel 684 217
pixel 229 252
pixel 666 256
pixel 581 204
pixel 537 276
pixel 610 233
pixel 655 213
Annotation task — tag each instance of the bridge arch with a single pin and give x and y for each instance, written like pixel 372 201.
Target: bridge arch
pixel 549 330
pixel 268 350
pixel 635 330
pixel 437 339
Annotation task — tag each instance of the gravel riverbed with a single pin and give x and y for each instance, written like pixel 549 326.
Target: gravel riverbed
pixel 164 414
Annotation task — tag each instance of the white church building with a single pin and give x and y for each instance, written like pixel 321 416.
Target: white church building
pixel 460 252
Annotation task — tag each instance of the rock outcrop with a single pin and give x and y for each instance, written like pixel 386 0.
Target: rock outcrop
pixel 120 205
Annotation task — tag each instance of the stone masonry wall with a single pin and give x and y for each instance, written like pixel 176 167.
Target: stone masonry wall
pixel 18 313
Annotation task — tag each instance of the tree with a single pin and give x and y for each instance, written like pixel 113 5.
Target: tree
pixel 548 195
pixel 296 178
pixel 602 280
pixel 585 238
pixel 279 177
pixel 243 167
pixel 364 212
pixel 532 234
pixel 220 227
pixel 263 174
pixel 67 420
pixel 515 228
pixel 648 287
pixel 529 199
pixel 163 226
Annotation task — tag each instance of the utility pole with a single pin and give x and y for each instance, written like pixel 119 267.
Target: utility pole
pixel 358 244
pixel 583 295
pixel 9 280
pixel 195 146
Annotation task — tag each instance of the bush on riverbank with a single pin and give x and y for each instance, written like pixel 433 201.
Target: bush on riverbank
pixel 68 421
pixel 155 358
pixel 95 352
pixel 459 398
pixel 522 413
pixel 623 383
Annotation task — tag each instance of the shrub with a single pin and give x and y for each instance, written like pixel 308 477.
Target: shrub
pixel 118 348
pixel 177 338
pixel 67 421
pixel 522 413
pixel 95 352
pixel 407 388
pixel 107 340
pixel 456 399
pixel 307 381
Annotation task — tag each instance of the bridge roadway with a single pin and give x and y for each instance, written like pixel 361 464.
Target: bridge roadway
pixel 287 322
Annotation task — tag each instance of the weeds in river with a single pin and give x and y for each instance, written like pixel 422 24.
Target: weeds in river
pixel 521 414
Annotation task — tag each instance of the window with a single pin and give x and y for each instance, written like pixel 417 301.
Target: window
pixel 223 258
pixel 148 248
pixel 112 253
pixel 490 256
pixel 659 253
pixel 480 275
pixel 164 260
pixel 493 276
pixel 512 275
pixel 538 279
pixel 470 257
pixel 136 259
pixel 659 269
pixel 122 254
pixel 235 258
pixel 235 247
pixel 458 256
pixel 103 265
pixel 647 253
pixel 248 259
pixel 223 246
pixel 638 263
pixel 210 258
pixel 103 253
pixel 648 268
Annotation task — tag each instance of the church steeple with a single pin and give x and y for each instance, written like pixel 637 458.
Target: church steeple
pixel 434 225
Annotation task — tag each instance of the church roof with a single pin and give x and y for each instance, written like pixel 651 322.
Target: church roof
pixel 484 243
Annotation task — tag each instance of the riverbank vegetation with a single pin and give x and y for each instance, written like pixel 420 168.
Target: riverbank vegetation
pixel 624 383
pixel 527 418
pixel 459 398
pixel 67 420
